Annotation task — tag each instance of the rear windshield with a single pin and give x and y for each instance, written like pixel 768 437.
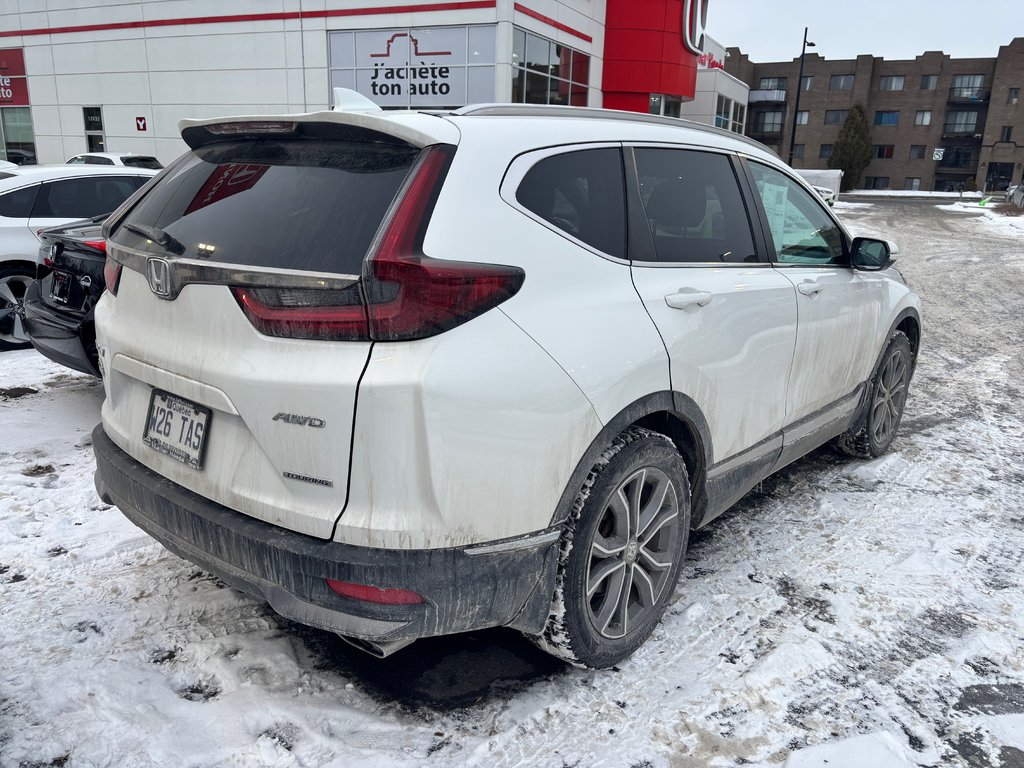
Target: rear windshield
pixel 135 161
pixel 309 205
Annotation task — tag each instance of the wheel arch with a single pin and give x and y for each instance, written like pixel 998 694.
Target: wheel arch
pixel 19 262
pixel 672 414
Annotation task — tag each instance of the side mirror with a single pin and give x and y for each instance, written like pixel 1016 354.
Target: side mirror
pixel 871 254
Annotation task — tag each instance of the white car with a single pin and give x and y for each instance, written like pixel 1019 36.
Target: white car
pixel 35 197
pixel 405 374
pixel 128 159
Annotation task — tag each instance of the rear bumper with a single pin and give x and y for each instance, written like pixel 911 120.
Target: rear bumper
pixel 463 588
pixel 57 335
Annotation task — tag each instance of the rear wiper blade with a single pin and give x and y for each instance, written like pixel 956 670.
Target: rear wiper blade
pixel 158 236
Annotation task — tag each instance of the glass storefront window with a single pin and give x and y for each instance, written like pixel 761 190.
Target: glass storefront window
pixel 544 72
pixel 16 135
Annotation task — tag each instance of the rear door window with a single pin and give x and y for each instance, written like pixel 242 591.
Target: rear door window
pixel 18 204
pixel 694 206
pixel 307 205
pixel 581 193
pixel 138 161
pixel 82 198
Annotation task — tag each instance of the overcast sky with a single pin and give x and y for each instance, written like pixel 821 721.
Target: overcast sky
pixel 772 30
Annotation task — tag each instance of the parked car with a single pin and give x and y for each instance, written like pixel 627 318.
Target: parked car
pixel 406 374
pixel 1015 195
pixel 127 159
pixel 825 194
pixel 35 197
pixel 59 305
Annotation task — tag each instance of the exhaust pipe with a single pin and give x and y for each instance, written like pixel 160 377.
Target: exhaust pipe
pixel 379 650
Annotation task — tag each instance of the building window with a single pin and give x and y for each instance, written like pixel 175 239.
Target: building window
pixel 841 83
pixel 891 83
pixel 960 123
pixel 923 117
pixel 723 112
pixel 884 151
pixel 912 183
pixel 665 105
pixel 798 151
pixel 807 83
pixel 1013 96
pixel 887 118
pixel 416 67
pixel 94 139
pixel 768 122
pixel 917 151
pixel 836 116
pixel 1006 133
pixel 544 72
pixel 773 84
pixel 929 82
pixel 801 117
pixel 739 117
pixel 16 137
pixel 825 152
pixel 967 87
pixel 876 182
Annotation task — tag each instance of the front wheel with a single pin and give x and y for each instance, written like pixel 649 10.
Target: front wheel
pixel 621 552
pixel 874 432
pixel 14 282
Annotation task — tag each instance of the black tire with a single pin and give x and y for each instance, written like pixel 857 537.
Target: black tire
pixel 874 432
pixel 632 575
pixel 14 281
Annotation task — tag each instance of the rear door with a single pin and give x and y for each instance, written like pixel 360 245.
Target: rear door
pixel 273 406
pixel 727 318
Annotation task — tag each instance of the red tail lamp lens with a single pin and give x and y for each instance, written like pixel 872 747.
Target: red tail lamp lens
pixel 111 275
pixel 368 594
pixel 99 245
pixel 305 314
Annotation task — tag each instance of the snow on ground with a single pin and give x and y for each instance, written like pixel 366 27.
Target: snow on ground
pixel 991 220
pixel 846 613
pixel 913 193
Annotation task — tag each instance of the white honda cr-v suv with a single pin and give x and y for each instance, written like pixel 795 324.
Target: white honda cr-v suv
pixel 408 374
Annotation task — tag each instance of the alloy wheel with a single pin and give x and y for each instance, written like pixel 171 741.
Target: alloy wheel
pixel 632 552
pixel 890 396
pixel 12 309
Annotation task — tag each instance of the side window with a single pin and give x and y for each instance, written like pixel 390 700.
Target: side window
pixel 802 231
pixel 76 160
pixel 82 198
pixel 18 204
pixel 582 193
pixel 694 206
pixel 93 160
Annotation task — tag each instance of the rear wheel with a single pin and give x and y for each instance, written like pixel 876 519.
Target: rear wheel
pixel 14 282
pixel 872 435
pixel 621 552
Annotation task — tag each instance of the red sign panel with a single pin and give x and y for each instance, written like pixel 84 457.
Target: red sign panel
pixel 226 180
pixel 140 123
pixel 13 92
pixel 12 62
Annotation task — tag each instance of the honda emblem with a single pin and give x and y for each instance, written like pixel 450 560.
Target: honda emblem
pixel 159 277
pixel 695 22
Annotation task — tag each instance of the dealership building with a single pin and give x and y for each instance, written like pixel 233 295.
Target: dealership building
pixel 110 75
pixel 937 122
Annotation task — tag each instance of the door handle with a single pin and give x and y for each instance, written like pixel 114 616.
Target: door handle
pixel 686 297
pixel 810 287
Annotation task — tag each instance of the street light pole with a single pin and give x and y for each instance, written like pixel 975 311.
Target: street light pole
pixel 799 88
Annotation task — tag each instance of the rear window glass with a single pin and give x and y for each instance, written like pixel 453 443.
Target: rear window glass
pixel 18 204
pixel 134 161
pixel 82 198
pixel 581 193
pixel 309 205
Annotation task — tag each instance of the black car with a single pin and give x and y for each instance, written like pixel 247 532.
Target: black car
pixel 59 305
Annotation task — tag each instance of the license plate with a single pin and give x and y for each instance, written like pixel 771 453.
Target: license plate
pixel 177 428
pixel 60 289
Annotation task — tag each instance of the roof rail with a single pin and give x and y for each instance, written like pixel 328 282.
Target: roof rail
pixel 591 113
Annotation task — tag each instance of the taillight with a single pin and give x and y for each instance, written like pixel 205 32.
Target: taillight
pixel 405 294
pixel 111 275
pixel 369 594
pixel 99 245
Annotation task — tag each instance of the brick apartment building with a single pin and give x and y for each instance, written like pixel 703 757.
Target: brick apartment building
pixel 969 109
